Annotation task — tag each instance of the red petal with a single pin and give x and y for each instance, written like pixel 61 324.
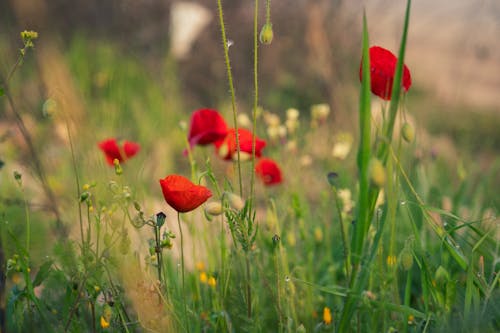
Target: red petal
pixel 207 126
pixel 268 171
pixel 130 148
pixel 181 194
pixel 382 68
pixel 111 150
pixel 246 142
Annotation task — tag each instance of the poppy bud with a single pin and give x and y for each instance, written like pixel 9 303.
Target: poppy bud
pixel 213 208
pixel 160 219
pixel 84 196
pixel 118 168
pixel 408 132
pixel 235 201
pixel 266 34
pixel 377 173
pixel 406 259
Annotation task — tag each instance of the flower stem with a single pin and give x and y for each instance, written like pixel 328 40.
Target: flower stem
pixel 231 89
pixel 347 251
pixel 159 258
pixel 249 286
pixel 182 271
pixel 256 96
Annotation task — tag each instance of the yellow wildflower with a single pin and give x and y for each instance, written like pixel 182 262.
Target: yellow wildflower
pixel 212 282
pixel 203 277
pixel 391 260
pixel 327 316
pixel 104 323
pixel 200 266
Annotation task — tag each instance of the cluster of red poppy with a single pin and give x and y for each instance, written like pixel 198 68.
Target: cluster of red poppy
pixel 208 127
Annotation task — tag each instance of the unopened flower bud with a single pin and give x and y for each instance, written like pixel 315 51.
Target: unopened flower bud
pixel 377 173
pixel 266 34
pixel 408 132
pixel 118 167
pixel 84 196
pixel 406 260
pixel 235 201
pixel 160 219
pixel 213 208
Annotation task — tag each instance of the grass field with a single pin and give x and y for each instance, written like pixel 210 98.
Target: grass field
pixel 387 223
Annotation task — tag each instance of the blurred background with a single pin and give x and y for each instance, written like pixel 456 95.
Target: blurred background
pixel 135 68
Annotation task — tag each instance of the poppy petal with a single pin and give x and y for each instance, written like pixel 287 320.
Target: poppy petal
pixel 206 127
pixel 181 194
pixel 268 171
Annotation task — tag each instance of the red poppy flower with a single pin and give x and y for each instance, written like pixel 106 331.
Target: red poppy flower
pixel 180 193
pixel 206 127
pixel 382 69
pixel 226 148
pixel 268 171
pixel 112 150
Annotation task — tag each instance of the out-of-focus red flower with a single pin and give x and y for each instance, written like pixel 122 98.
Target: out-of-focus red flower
pixel 112 150
pixel 268 171
pixel 207 126
pixel 226 148
pixel 382 70
pixel 181 194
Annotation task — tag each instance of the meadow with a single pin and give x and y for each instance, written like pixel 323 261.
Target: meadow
pixel 122 210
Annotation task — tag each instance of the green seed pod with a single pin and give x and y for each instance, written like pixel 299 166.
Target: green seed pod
pixel 408 132
pixel 406 260
pixel 377 173
pixel 266 34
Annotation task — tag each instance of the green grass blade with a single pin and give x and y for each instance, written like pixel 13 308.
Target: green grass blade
pixel 396 91
pixel 364 152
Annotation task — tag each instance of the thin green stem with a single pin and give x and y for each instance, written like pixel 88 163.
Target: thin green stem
pixel 182 271
pixel 77 178
pixel 159 263
pixel 28 224
pixel 249 285
pixel 255 99
pixel 382 152
pixel 268 11
pixel 231 89
pixel 363 158
pixel 343 232
pixel 407 297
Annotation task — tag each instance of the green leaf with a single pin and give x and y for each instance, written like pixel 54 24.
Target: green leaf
pixel 43 273
pixel 2 92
